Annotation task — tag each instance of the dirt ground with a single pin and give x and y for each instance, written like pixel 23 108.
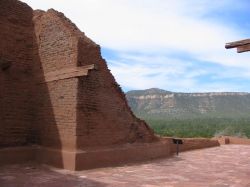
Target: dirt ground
pixel 225 166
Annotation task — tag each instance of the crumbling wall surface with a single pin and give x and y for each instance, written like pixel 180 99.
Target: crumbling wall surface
pixel 92 108
pixel 57 51
pixel 16 43
pixel 57 92
pixel 103 115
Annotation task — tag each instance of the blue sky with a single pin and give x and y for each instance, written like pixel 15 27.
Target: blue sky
pixel 173 45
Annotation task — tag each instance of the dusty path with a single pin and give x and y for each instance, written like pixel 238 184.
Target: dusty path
pixel 225 166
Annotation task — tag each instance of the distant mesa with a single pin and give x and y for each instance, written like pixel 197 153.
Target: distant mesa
pixel 160 103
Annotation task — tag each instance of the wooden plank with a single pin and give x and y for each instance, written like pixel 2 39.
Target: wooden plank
pixel 243 48
pixel 237 43
pixel 68 73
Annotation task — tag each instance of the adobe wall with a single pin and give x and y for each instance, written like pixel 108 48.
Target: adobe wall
pixel 56 92
pixel 233 140
pixel 193 143
pixel 103 116
pixel 90 109
pixel 57 51
pixel 16 78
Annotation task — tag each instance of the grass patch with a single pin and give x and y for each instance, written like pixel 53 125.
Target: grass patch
pixel 201 127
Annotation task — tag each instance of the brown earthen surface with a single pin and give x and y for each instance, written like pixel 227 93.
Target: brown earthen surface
pixel 103 156
pixel 225 166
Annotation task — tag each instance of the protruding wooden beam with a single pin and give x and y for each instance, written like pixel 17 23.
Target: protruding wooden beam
pixel 242 45
pixel 243 48
pixel 237 43
pixel 68 73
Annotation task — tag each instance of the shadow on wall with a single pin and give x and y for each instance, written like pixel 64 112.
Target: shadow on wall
pixel 26 110
pixel 15 73
pixel 45 132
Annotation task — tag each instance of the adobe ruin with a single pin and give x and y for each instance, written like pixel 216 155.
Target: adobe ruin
pixel 59 103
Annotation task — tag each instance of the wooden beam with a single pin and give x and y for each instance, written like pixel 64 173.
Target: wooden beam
pixel 68 73
pixel 237 44
pixel 243 48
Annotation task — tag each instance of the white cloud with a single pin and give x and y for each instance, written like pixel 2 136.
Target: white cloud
pixel 158 28
pixel 142 72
